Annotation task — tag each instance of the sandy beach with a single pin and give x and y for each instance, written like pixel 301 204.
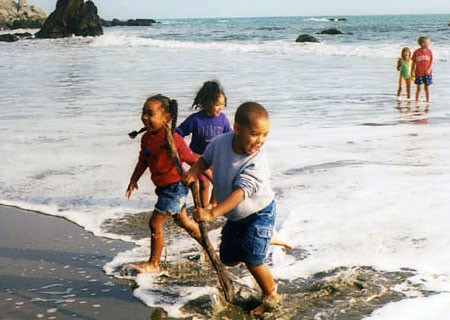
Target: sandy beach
pixel 51 268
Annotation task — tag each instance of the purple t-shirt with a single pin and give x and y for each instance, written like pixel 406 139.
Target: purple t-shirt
pixel 203 128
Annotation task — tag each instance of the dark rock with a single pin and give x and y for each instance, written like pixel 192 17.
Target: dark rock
pixel 141 22
pixel 8 37
pixel 130 22
pixel 331 31
pixel 337 19
pixel 72 17
pixel 306 38
pixel 27 24
pixel 105 23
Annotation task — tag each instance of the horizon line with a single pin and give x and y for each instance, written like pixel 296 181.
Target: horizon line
pixel 289 16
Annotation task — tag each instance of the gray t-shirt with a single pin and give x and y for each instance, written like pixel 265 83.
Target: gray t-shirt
pixel 251 173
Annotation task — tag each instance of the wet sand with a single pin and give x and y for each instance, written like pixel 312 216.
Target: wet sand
pixel 51 268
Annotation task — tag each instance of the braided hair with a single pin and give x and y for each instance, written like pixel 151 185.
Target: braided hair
pixel 208 95
pixel 169 105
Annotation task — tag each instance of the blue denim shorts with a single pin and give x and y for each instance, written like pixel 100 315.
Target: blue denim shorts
pixel 171 198
pixel 426 80
pixel 248 240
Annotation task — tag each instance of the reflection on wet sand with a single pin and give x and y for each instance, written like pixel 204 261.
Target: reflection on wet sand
pixel 413 112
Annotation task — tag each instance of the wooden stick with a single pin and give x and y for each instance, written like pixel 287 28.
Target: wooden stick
pixel 206 244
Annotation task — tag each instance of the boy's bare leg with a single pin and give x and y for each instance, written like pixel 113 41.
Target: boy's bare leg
pixel 418 92
pixel 276 241
pixel 156 225
pixel 427 93
pixel 265 280
pixel 188 224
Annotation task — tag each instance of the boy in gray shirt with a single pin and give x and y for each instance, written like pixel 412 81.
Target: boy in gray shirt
pixel 241 178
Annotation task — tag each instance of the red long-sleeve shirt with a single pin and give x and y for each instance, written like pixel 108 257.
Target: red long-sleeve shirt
pixel 155 156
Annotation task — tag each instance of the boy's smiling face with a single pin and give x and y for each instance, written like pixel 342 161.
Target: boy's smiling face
pixel 250 138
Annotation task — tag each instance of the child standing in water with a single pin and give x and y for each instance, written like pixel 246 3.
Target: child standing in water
pixel 242 188
pixel 422 67
pixel 158 111
pixel 404 67
pixel 205 125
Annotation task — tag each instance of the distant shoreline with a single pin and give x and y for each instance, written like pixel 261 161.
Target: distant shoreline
pixel 284 17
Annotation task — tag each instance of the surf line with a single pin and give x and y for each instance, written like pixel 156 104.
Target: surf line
pixel 224 280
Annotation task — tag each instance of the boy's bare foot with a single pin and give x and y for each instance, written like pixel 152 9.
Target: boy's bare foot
pixel 270 303
pixel 275 241
pixel 147 267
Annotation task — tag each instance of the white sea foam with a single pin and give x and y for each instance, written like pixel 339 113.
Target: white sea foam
pixel 318 19
pixel 327 48
pixel 434 308
pixel 148 293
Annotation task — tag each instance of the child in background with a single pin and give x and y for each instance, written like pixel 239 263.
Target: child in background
pixel 157 111
pixel 404 66
pixel 242 188
pixel 422 67
pixel 205 125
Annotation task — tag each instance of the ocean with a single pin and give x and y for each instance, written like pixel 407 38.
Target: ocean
pixel 361 179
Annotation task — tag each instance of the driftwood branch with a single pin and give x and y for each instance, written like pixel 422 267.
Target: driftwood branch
pixel 206 244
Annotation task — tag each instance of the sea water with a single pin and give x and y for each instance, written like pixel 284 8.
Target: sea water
pixel 361 179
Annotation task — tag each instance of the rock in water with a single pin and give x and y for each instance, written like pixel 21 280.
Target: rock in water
pixel 15 15
pixel 72 17
pixel 306 38
pixel 337 19
pixel 8 38
pixel 331 31
pixel 130 22
pixel 12 37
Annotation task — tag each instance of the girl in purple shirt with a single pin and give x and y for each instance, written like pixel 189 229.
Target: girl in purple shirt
pixel 206 124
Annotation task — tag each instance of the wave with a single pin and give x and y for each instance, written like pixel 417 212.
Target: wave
pixel 368 50
pixel 317 19
pixel 326 19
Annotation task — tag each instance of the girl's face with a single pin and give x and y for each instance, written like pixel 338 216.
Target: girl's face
pixel 153 116
pixel 406 54
pixel 217 107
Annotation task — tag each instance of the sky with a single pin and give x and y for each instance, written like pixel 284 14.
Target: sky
pixel 125 9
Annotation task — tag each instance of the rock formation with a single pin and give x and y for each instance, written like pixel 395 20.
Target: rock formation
pixel 20 14
pixel 72 17
pixel 306 38
pixel 12 37
pixel 331 31
pixel 337 19
pixel 130 22
pixel 8 38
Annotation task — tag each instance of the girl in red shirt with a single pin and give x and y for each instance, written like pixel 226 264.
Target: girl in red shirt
pixel 157 111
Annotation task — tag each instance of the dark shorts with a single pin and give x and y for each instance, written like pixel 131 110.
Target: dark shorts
pixel 248 240
pixel 426 80
pixel 171 198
